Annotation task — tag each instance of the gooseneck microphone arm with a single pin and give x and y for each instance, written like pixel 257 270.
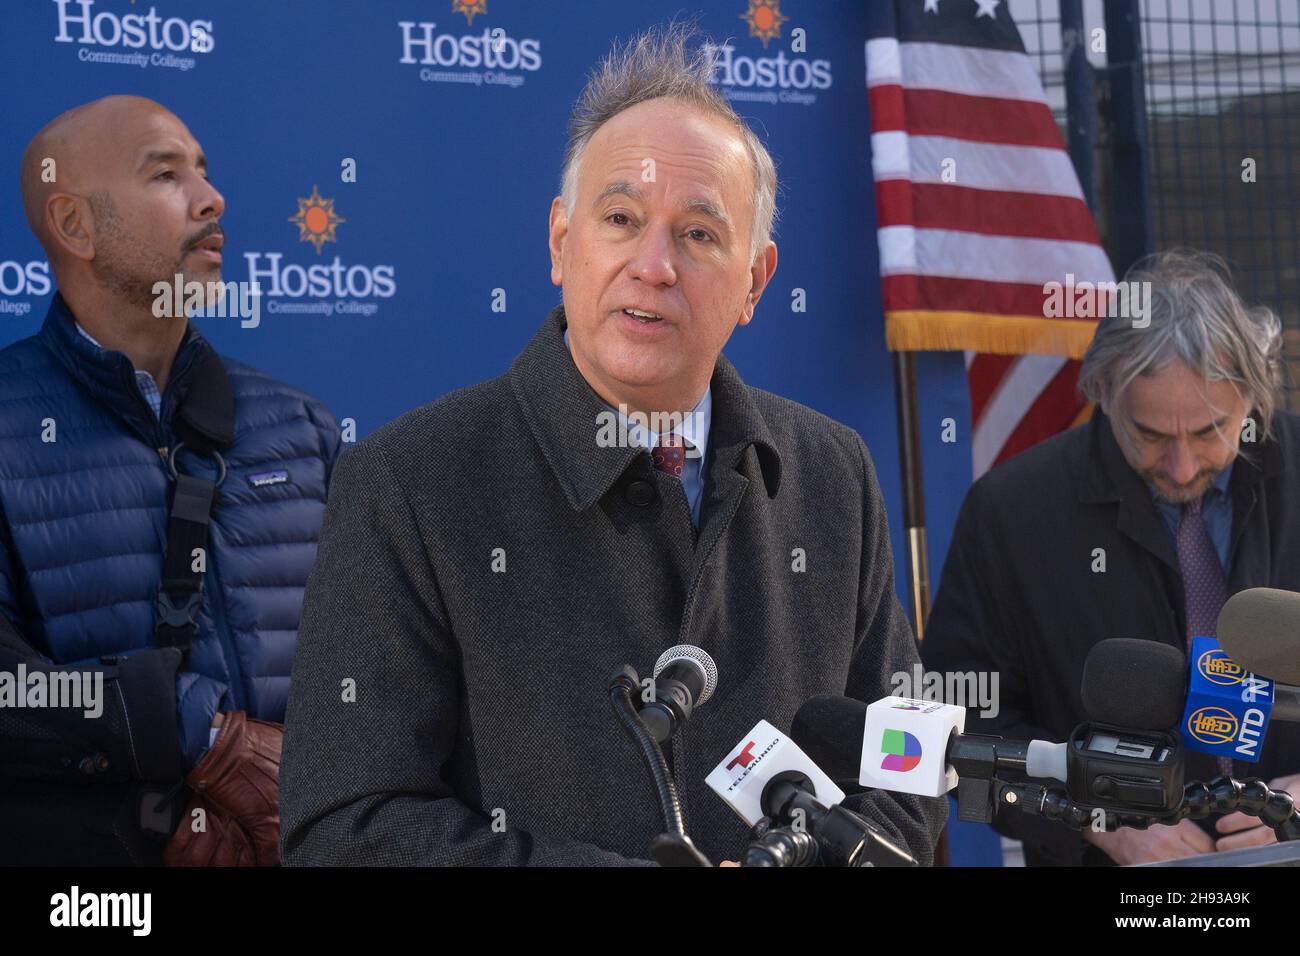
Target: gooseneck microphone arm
pixel 1252 797
pixel 773 846
pixel 673 847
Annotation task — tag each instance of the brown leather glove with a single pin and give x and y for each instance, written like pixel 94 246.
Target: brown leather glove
pixel 222 842
pixel 239 778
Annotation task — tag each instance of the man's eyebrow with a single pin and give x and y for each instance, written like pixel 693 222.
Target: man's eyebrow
pixel 1217 424
pixel 618 189
pixel 711 209
pixel 170 156
pixel 704 207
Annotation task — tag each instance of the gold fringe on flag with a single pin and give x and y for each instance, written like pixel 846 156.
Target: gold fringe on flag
pixel 921 330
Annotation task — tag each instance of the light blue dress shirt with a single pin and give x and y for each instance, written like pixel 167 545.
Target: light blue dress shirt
pixel 148 387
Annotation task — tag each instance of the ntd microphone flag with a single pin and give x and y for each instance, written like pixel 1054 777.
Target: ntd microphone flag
pixel 905 746
pixel 1227 706
pixel 760 756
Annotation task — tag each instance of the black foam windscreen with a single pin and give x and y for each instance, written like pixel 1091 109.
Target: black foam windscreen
pixel 1135 684
pixel 1259 628
pixel 829 730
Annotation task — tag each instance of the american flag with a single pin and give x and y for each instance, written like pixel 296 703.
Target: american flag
pixel 979 208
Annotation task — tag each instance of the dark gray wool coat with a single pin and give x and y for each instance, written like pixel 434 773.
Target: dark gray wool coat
pixel 480 674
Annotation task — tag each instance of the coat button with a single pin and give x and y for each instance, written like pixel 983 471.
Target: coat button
pixel 101 763
pixel 86 766
pixel 640 493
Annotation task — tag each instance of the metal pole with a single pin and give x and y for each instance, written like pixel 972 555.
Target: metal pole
pixel 1080 123
pixel 909 447
pixel 1133 233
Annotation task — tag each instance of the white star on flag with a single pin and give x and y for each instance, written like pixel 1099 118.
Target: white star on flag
pixel 988 8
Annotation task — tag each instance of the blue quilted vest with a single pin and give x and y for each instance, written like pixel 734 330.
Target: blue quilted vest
pixel 83 516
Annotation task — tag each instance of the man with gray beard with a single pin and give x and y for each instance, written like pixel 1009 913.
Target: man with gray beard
pixel 1180 491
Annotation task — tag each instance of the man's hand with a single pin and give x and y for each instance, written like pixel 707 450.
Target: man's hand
pixel 1246 830
pixel 239 778
pixel 1127 846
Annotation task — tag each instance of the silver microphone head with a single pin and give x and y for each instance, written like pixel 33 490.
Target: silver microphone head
pixel 697 656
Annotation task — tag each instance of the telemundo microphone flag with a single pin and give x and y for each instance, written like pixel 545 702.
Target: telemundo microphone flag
pixel 979 213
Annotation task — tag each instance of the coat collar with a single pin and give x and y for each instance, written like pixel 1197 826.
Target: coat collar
pixel 109 376
pixel 563 412
pixel 1108 477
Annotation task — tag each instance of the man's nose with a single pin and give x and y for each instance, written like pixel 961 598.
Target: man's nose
pixel 208 202
pixel 652 261
pixel 1180 462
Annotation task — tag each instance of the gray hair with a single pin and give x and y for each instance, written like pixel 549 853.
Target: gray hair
pixel 657 64
pixel 1195 317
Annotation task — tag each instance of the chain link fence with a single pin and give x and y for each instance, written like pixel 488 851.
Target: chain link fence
pixel 1222 89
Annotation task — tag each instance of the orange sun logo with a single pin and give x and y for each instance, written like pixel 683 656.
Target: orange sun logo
pixel 316 220
pixel 469 8
pixel 764 19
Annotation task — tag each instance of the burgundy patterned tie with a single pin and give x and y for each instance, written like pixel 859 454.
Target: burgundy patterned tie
pixel 670 454
pixel 1204 589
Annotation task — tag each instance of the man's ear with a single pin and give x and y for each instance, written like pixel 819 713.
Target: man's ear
pixel 760 274
pixel 559 228
pixel 69 226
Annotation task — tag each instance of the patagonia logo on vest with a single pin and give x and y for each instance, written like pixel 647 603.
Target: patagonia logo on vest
pixel 268 478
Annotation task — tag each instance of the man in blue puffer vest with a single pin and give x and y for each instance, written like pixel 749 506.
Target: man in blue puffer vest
pixel 117 192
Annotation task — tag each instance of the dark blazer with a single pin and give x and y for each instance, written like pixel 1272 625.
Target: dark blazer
pixel 481 693
pixel 1018 594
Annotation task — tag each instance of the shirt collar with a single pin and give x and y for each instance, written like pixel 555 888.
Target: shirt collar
pixel 562 411
pixel 139 372
pixel 693 427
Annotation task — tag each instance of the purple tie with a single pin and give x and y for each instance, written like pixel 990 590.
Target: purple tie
pixel 670 454
pixel 1204 589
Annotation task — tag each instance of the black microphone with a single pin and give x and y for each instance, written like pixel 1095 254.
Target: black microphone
pixel 1135 684
pixel 685 677
pixel 843 838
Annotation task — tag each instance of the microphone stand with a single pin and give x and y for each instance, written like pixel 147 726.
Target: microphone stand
pixel 774 846
pixel 1221 795
pixel 827 836
pixel 978 758
pixel 673 847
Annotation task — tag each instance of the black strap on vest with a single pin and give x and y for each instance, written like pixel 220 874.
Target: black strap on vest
pixel 204 423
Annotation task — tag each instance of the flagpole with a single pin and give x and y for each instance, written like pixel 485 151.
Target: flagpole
pixel 909 447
